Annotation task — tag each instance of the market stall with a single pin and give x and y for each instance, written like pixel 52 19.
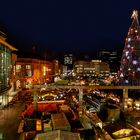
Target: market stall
pixel 60 122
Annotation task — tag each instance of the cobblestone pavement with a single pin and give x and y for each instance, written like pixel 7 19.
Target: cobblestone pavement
pixel 9 121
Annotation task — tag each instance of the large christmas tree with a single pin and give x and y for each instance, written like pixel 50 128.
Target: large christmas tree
pixel 129 73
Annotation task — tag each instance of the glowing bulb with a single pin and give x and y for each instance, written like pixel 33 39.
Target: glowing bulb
pixel 126 53
pixel 129 39
pixel 126 81
pixel 121 75
pixel 134 62
pixel 138 69
pixel 128 46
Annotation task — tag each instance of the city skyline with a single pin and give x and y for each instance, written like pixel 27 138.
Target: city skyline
pixel 81 27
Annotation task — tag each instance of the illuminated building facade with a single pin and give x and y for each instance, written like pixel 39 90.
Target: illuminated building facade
pixel 7 62
pixel 91 68
pixel 57 67
pixel 68 59
pixel 31 71
pixel 68 63
pixel 129 73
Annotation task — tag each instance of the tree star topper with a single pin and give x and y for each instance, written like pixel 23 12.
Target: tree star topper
pixel 135 14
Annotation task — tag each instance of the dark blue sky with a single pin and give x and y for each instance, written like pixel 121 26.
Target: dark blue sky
pixel 67 25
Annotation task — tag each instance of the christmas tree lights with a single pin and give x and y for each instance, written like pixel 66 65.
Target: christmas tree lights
pixel 129 73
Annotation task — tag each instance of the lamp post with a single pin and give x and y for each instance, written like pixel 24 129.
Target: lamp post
pixel 35 99
pixel 80 100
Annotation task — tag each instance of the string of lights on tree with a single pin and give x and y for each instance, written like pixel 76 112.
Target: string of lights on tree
pixel 129 73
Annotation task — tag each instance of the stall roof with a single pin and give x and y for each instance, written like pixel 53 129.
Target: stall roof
pixel 60 122
pixel 59 135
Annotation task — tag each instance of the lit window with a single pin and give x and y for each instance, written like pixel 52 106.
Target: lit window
pixel 28 66
pixel 18 68
pixel 49 69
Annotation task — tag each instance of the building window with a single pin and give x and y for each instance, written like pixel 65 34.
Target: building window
pixel 28 71
pixel 28 67
pixel 18 68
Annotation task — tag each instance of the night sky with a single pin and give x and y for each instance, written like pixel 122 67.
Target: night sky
pixel 67 25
